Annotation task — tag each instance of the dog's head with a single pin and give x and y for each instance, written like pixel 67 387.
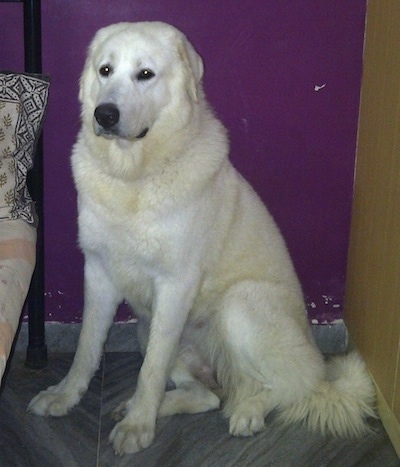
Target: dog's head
pixel 136 74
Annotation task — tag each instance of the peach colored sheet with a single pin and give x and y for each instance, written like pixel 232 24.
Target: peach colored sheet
pixel 17 261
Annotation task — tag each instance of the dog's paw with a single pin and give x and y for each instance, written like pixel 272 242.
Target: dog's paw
pixel 245 424
pixel 129 438
pixel 120 411
pixel 51 402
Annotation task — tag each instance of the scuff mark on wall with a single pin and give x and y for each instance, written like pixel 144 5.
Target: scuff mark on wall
pixel 318 88
pixel 324 309
pixel 326 322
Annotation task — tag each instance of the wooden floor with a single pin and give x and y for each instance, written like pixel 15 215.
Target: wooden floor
pixel 81 438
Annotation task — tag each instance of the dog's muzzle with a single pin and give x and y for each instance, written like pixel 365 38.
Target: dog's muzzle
pixel 107 116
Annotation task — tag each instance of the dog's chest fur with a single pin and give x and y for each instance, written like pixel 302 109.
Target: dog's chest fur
pixel 135 245
pixel 130 248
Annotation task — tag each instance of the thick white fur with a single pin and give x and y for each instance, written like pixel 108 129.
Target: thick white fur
pixel 166 223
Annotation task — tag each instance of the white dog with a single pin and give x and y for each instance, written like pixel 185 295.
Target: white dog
pixel 169 225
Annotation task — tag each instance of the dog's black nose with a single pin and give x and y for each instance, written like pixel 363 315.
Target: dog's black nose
pixel 107 115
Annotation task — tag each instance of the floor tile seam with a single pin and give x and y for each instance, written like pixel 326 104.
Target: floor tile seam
pixel 101 409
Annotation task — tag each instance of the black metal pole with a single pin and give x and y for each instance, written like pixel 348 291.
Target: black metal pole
pixel 36 355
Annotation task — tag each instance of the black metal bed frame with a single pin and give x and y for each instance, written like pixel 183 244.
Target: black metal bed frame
pixel 36 354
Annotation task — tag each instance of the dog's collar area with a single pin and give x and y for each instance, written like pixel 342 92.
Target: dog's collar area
pixel 142 134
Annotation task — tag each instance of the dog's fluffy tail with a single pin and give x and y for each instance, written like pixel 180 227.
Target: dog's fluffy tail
pixel 341 404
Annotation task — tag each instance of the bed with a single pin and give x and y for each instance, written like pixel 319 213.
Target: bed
pixel 23 105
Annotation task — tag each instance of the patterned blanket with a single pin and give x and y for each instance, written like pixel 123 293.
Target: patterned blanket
pixel 17 261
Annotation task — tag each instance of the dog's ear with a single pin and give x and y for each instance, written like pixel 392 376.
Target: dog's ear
pixel 88 74
pixel 82 82
pixel 192 66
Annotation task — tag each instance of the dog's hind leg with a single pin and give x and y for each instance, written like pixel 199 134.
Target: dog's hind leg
pixel 190 395
pixel 266 359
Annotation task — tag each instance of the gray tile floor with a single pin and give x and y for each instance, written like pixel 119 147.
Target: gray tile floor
pixel 81 438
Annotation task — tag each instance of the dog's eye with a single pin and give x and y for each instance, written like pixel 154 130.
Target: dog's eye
pixel 105 70
pixel 145 74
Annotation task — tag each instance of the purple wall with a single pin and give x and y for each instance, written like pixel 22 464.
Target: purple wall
pixel 294 143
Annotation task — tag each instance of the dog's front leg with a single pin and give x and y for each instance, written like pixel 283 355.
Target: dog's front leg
pixel 136 430
pixel 101 299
